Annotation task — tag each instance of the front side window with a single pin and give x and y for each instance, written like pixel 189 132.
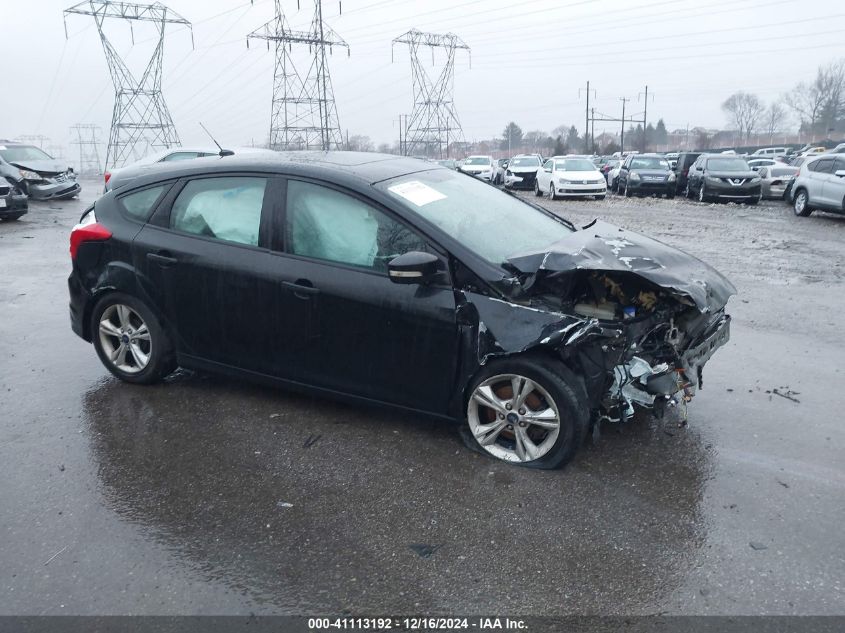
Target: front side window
pixel 326 224
pixel 839 165
pixel 139 204
pixel 226 208
pixel 822 166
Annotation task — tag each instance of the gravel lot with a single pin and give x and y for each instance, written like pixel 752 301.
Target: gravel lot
pixel 205 495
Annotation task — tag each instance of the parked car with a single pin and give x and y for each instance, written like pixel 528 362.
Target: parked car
pixel 13 201
pixel 770 152
pixel 521 172
pixel 839 149
pixel 646 174
pixel 607 168
pixel 36 173
pixel 756 163
pixel 681 169
pixel 567 176
pixel 820 184
pixel 118 177
pixel 776 180
pixel 613 176
pixel 813 151
pixel 382 279
pixel 797 161
pixel 720 177
pixel 483 167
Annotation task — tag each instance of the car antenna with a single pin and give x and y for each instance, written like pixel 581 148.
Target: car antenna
pixel 223 152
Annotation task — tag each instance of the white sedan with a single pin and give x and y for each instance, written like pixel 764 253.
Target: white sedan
pixel 483 167
pixel 564 176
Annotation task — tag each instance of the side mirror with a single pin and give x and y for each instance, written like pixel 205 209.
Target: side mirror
pixel 840 173
pixel 414 267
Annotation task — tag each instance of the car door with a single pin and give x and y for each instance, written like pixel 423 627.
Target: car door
pixel 204 261
pixel 544 175
pixel 833 190
pixel 820 173
pixel 371 337
pixel 624 170
pixel 695 174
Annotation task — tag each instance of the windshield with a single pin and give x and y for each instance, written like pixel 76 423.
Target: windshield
pixel 492 224
pixel 525 161
pixel 17 153
pixel 649 162
pixel 477 160
pixel 727 164
pixel 574 164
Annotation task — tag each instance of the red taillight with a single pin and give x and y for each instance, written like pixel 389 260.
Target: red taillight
pixel 106 176
pixel 90 231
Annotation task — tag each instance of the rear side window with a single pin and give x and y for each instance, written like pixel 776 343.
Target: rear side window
pixel 227 208
pixel 140 204
pixel 822 166
pixel 839 165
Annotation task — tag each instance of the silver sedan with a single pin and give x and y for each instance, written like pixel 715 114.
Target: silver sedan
pixel 776 180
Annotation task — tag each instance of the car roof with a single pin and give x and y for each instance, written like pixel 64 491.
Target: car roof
pixel 363 167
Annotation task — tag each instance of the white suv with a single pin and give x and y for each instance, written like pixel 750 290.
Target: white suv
pixel 820 184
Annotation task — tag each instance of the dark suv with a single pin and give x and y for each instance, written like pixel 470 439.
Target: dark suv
pixel 391 280
pixel 644 174
pixel 723 177
pixel 681 169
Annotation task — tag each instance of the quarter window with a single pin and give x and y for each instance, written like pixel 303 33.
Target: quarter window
pixel 325 224
pixel 140 204
pixel 227 208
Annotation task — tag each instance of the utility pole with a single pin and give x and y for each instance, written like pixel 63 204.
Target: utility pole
pixel 624 100
pixel 434 111
pixel 593 131
pixel 645 116
pixel 587 118
pixel 140 119
pixel 303 112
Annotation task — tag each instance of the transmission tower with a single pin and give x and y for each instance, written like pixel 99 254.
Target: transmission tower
pixel 140 119
pixel 303 113
pixel 89 154
pixel 433 123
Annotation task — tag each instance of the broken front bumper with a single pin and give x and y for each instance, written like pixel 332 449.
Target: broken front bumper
pixel 54 188
pixel 694 358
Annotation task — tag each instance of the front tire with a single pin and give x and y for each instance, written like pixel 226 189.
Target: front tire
pixel 702 194
pixel 130 341
pixel 801 204
pixel 552 191
pixel 627 191
pixel 537 191
pixel 527 411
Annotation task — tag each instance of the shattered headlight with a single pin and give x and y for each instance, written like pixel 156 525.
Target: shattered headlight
pixel 30 175
pixel 633 176
pixel 671 176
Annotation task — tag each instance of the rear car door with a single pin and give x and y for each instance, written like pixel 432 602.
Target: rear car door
pixel 833 189
pixel 371 337
pixel 821 172
pixel 205 263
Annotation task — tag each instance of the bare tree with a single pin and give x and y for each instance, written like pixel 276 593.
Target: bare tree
pixel 534 139
pixel 744 110
pixel 360 143
pixel 820 103
pixel 774 119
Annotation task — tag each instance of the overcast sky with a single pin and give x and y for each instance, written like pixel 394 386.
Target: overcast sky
pixel 529 59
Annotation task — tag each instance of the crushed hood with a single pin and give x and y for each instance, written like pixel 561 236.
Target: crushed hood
pixel 601 246
pixel 42 166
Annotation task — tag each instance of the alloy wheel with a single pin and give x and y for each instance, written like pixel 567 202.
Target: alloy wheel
pixel 513 418
pixel 800 202
pixel 552 195
pixel 701 196
pixel 125 338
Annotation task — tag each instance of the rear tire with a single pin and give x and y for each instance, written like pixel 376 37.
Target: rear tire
pixel 563 394
pixel 130 341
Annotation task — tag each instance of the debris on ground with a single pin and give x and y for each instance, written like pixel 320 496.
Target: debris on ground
pixel 424 550
pixel 312 439
pixel 757 545
pixel 782 483
pixel 284 504
pixel 787 393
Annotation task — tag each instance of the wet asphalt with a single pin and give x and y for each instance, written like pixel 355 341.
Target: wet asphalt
pixel 206 495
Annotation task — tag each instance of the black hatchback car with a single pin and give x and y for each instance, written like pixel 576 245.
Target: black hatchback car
pixel 723 177
pixel 389 280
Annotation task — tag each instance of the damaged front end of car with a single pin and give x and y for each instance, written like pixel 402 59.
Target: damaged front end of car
pixel 636 319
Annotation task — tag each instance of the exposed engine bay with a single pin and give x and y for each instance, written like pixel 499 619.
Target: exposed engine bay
pixel 635 318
